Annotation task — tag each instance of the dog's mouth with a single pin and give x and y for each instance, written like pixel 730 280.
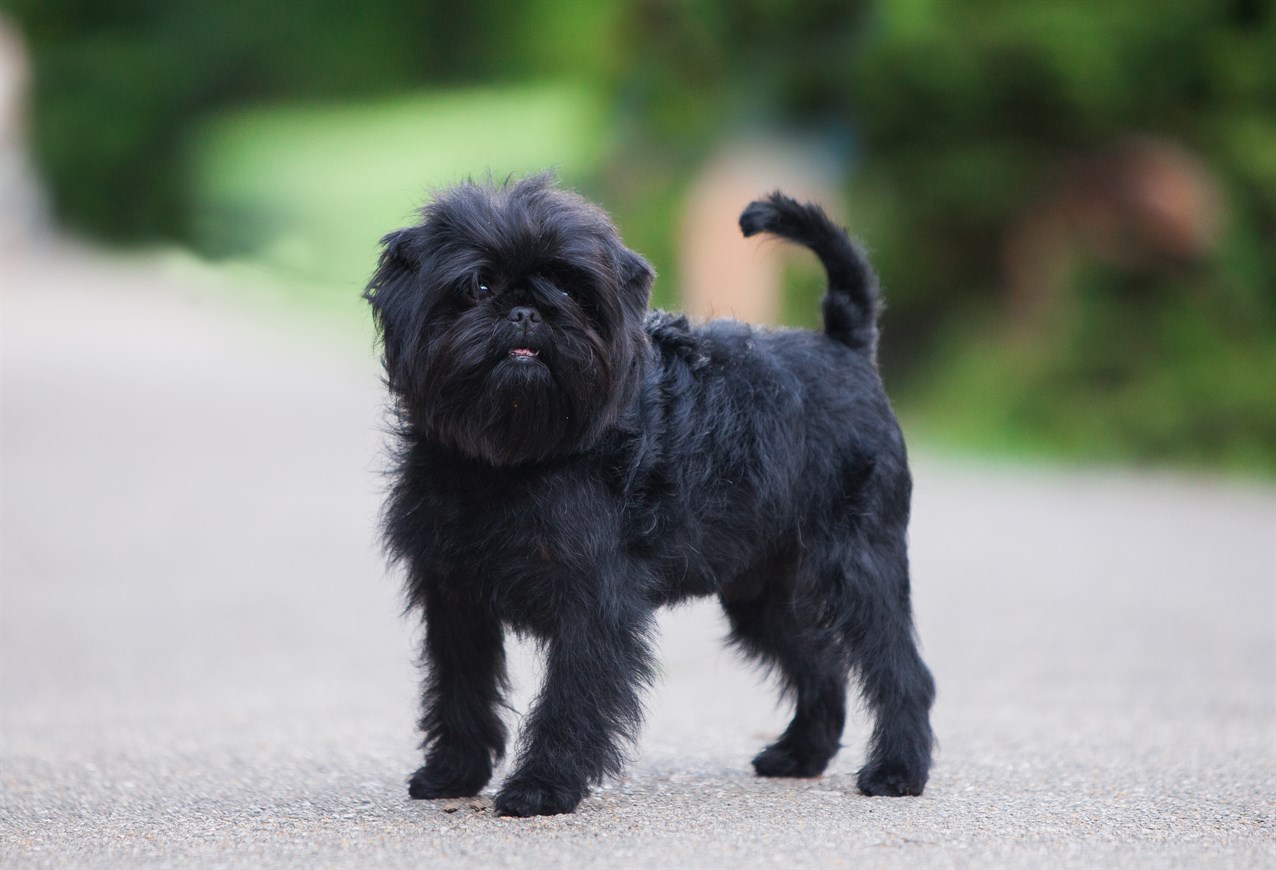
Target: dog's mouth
pixel 524 353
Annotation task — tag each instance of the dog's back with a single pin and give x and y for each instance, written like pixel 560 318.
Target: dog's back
pixel 802 432
pixel 768 435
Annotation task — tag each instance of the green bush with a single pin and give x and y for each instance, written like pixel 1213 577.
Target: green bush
pixel 968 112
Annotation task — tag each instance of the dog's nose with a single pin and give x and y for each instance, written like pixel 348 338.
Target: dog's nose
pixel 524 315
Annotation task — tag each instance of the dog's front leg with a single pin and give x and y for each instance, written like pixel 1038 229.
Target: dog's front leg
pixel 464 658
pixel 599 658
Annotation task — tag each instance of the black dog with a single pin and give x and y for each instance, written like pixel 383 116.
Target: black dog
pixel 568 462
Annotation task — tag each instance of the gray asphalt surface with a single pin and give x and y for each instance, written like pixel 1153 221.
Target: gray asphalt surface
pixel 203 662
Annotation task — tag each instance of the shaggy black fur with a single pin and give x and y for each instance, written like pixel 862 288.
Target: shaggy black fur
pixel 568 462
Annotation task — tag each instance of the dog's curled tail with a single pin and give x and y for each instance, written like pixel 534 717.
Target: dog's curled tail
pixel 853 302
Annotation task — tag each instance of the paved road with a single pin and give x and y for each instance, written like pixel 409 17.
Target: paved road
pixel 203 662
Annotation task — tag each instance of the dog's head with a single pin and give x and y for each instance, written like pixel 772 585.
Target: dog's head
pixel 511 320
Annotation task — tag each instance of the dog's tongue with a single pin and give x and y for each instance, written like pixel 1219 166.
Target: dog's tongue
pixel 523 351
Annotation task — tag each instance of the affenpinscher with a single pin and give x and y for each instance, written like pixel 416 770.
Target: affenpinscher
pixel 569 461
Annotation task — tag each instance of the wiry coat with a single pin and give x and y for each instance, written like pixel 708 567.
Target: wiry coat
pixel 567 463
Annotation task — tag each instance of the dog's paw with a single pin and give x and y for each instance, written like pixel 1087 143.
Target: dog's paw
pixel 890 780
pixel 450 780
pixel 781 759
pixel 529 797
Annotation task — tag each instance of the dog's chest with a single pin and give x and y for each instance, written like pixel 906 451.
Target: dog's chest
pixel 527 548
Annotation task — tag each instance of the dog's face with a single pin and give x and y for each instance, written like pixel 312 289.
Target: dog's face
pixel 511 319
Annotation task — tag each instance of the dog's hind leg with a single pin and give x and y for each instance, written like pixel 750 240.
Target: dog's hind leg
pixel 896 684
pixel 791 634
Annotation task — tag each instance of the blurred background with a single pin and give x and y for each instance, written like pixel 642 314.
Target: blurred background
pixel 1072 204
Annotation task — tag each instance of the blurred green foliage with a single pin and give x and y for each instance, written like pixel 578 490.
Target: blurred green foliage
pixel 122 86
pixel 308 191
pixel 968 110
pixel 1119 379
pixel 970 115
pixel 229 125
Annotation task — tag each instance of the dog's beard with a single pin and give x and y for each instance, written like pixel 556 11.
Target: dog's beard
pixel 492 393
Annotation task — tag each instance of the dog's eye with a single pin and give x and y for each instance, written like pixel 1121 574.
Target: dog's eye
pixel 480 291
pixel 563 278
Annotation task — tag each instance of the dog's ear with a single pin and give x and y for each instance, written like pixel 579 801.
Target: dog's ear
pixel 636 277
pixel 392 294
